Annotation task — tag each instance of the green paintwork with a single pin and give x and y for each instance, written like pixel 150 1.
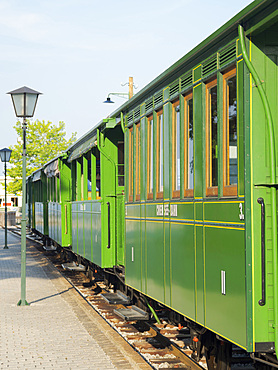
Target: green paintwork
pixel 199 118
pixel 134 254
pixel 90 217
pixel 197 74
pixel 58 205
pixel 154 249
pixel 177 258
pixel 183 268
pixel 199 275
pixel 264 54
pixel 38 203
pixel 225 250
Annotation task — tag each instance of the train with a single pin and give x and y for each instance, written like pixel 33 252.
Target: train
pixel 173 197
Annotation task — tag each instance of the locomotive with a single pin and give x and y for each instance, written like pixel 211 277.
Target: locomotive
pixel 173 196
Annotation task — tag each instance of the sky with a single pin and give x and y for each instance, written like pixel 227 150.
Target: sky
pixel 75 52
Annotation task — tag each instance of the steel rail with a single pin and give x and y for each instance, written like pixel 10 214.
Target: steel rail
pixel 174 348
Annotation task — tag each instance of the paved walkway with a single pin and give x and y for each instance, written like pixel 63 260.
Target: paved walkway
pixel 57 331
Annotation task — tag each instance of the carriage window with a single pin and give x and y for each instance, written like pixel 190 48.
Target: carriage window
pixel 130 186
pixel 78 180
pixel 89 177
pixel 211 139
pixel 82 180
pixel 159 156
pixel 121 167
pixel 176 150
pixel 230 164
pixel 188 146
pixel 98 176
pixel 137 162
pixel 150 158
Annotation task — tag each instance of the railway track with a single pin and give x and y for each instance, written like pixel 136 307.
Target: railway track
pixel 163 345
pixel 160 345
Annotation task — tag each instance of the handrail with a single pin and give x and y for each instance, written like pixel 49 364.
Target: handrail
pixel 261 202
pixel 66 219
pixel 272 153
pixel 109 233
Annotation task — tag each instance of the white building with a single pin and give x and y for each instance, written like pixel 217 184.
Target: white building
pixel 13 200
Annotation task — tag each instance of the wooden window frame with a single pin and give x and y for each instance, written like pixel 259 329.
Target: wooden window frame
pixel 188 193
pixel 175 193
pixel 130 175
pixel 121 163
pixel 210 190
pixel 149 193
pixel 137 162
pixel 228 190
pixel 159 193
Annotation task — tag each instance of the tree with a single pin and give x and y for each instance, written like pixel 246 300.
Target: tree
pixel 44 141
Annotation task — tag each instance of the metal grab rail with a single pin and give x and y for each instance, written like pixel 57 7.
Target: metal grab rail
pixel 261 202
pixel 109 235
pixel 66 220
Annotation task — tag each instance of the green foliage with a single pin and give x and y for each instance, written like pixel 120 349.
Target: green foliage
pixel 44 141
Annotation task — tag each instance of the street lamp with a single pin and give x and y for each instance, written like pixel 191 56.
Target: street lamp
pixel 24 102
pixel 121 95
pixel 128 95
pixel 5 155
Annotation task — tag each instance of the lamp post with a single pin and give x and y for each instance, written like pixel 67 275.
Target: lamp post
pixel 24 101
pixel 5 155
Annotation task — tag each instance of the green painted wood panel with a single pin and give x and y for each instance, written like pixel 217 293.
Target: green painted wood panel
pixel 87 230
pixel 224 211
pixel 199 275
pixel 133 254
pixel 168 263
pixel 183 268
pixel 96 232
pixel 75 227
pixel 198 144
pixel 155 259
pixel 225 251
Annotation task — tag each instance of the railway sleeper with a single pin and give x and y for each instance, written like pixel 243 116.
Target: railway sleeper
pixel 201 342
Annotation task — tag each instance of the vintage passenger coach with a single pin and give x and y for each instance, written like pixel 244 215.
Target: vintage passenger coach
pixel 188 216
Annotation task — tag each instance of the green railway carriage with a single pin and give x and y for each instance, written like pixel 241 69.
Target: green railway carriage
pixel 198 233
pixel 39 219
pixel 29 200
pixel 200 173
pixel 98 195
pixel 58 196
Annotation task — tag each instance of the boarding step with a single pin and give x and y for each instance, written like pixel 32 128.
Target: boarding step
pixel 72 266
pixel 132 313
pixel 34 237
pixel 116 298
pixel 49 248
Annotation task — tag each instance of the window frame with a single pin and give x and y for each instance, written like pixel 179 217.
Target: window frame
pixel 150 160
pixel 228 190
pixel 137 161
pixel 159 192
pixel 131 164
pixel 210 190
pixel 188 193
pixel 175 192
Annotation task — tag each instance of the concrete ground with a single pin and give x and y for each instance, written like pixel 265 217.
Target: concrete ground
pixel 57 330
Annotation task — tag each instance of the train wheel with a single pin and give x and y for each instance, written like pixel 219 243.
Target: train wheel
pixel 224 355
pixel 218 355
